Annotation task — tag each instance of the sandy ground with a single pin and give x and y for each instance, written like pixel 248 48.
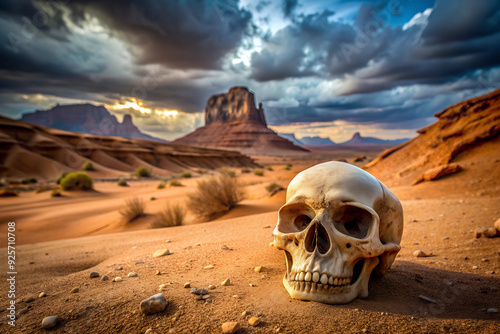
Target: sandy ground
pixel 440 219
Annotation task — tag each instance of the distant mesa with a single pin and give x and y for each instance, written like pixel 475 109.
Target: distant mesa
pixel 310 141
pixel 358 140
pixel 232 121
pixel 86 118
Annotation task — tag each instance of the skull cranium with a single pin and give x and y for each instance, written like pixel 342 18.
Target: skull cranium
pixel 339 224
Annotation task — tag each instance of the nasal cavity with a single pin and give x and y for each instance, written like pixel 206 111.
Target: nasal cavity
pixel 317 238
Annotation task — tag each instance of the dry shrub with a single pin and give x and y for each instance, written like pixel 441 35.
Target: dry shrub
pixel 175 183
pixel 76 181
pixel 258 172
pixel 133 209
pixel 7 193
pixel 215 196
pixel 271 188
pixel 171 215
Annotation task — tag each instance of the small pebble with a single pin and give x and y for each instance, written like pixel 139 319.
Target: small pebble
pixel 201 291
pixel 94 274
pixel 154 304
pixel 427 299
pixel 419 253
pixel 24 310
pixel 245 313
pixel 236 296
pixel 49 322
pixel 161 252
pixel 135 247
pixel 171 331
pixel 132 274
pixel 446 238
pixel 118 279
pixel 208 301
pixel 475 267
pixel 493 288
pixel 187 285
pixel 484 260
pixel 252 285
pixel 168 241
pixel 104 278
pixel 258 269
pixel 198 297
pixel 230 327
pixel 42 294
pixel 211 287
pixel 224 247
pixel 206 296
pixel 194 291
pixel 30 299
pixel 75 290
pixel 492 310
pixel 157 272
pixel 254 321
pixel 226 282
pixel 119 268
pixel 139 262
pixel 208 267
pixel 149 331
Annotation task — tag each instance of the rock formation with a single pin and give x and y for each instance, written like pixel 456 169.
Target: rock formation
pixel 358 140
pixel 463 128
pixel 86 118
pixel 233 122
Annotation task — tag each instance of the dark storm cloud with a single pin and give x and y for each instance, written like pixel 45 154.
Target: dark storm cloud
pixel 380 56
pixel 289 6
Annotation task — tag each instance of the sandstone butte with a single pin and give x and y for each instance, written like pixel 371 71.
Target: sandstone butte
pixel 232 121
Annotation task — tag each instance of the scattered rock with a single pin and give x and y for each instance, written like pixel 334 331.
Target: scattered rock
pixel 230 327
pixel 484 260
pixel 497 224
pixel 211 287
pixel 149 331
pixel 42 294
pixel 104 278
pixel 427 299
pixel 187 285
pixel 494 288
pixel 208 301
pixel 133 274
pixel 75 290
pixel 161 252
pixel 154 304
pixel 224 247
pixel 254 321
pixel 475 267
pixel 245 313
pixel 139 262
pixel 491 232
pixel 49 322
pixel 206 296
pixel 198 297
pixel 259 314
pixel 119 268
pixel 200 292
pixel 94 274
pixel 194 290
pixel 419 253
pixel 226 282
pixel 258 269
pixel 30 299
pixel 157 272
pixel 492 310
pixel 446 238
pixel 168 241
pixel 209 267
pixel 438 172
pixel 117 279
pixel 23 311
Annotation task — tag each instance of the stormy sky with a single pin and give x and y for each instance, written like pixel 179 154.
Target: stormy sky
pixel 320 67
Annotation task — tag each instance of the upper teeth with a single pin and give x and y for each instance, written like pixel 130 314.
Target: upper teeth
pixel 321 278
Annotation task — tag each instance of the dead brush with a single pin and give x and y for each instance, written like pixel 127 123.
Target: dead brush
pixel 132 209
pixel 171 215
pixel 215 196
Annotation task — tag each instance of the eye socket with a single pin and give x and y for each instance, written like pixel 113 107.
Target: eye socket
pixel 301 222
pixel 353 221
pixel 294 218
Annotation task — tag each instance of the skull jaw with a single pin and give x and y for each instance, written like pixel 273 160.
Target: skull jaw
pixel 337 295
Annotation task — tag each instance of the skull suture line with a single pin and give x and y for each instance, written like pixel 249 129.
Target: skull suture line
pixel 339 224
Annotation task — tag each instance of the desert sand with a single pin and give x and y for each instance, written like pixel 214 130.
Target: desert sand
pixel 61 240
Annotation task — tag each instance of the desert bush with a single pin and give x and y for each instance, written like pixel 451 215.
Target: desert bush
pixel 258 172
pixel 122 182
pixel 215 196
pixel 245 170
pixel 171 215
pixel 161 185
pixel 142 172
pixel 186 175
pixel 76 181
pixel 272 187
pixel 270 168
pixel 43 189
pixel 133 209
pixel 55 193
pixel 152 198
pixel 227 171
pixel 29 180
pixel 7 193
pixel 175 183
pixel 201 171
pixel 58 181
pixel 287 167
pixel 88 166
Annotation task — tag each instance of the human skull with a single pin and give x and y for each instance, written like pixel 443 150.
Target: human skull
pixel 339 223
